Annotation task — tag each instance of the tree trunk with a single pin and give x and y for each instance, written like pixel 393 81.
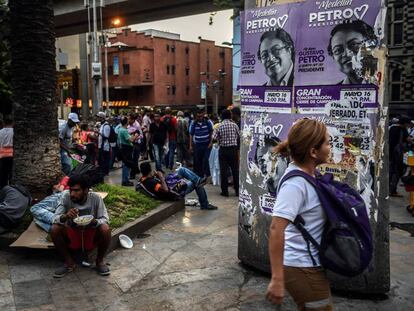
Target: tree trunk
pixel 33 69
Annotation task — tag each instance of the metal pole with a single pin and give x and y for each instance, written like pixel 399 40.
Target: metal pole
pixel 106 76
pixel 205 100
pixel 97 100
pixel 84 69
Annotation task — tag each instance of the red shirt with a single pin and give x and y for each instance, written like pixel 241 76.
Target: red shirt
pixel 172 133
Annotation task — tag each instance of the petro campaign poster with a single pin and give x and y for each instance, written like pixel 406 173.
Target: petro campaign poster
pixel 314 59
pixel 305 54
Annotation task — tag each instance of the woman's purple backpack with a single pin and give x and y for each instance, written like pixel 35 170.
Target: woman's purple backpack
pixel 346 247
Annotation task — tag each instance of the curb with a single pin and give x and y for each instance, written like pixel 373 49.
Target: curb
pixel 131 229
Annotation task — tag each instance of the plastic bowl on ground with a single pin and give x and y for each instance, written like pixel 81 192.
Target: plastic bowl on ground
pixel 125 241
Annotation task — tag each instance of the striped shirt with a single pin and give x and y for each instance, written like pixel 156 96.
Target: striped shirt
pixel 201 131
pixel 227 134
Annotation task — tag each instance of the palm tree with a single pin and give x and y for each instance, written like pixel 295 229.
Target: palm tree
pixel 33 72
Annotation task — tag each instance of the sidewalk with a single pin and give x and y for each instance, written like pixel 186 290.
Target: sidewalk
pixel 189 262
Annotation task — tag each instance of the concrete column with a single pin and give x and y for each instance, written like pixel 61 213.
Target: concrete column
pixel 253 243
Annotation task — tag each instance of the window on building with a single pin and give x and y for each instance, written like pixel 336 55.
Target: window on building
pixel 222 54
pixel 172 48
pixel 125 67
pixel 187 90
pixel 168 69
pixel 168 90
pixel 173 90
pixel 110 70
pixel 396 83
pixel 116 65
pixel 187 71
pixel 187 50
pixel 397 25
pixel 168 47
pixel 173 69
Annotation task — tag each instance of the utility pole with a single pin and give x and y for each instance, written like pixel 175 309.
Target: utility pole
pixel 96 65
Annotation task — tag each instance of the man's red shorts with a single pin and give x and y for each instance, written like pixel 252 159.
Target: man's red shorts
pixel 81 238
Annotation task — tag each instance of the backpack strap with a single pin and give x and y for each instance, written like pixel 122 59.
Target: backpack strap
pixel 299 222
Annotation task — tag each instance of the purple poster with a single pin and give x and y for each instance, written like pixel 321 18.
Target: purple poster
pixel 326 44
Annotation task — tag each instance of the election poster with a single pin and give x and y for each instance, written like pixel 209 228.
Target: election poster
pixel 313 59
pixel 262 167
pixel 306 54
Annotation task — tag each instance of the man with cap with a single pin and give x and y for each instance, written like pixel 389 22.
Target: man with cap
pixel 65 137
pixel 104 146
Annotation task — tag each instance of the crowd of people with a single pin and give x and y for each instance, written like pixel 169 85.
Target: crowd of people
pixel 169 139
pixel 197 142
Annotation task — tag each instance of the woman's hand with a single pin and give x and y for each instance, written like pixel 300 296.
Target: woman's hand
pixel 275 291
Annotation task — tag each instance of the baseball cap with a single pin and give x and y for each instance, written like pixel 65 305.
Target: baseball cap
pixel 74 117
pixel 101 114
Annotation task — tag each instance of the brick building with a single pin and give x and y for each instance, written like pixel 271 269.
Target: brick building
pixel 401 56
pixel 155 68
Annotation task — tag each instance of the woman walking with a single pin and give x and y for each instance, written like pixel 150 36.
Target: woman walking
pixel 292 267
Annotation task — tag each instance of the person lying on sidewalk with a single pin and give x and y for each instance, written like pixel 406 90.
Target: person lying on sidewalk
pixel 66 235
pixel 173 186
pixel 43 212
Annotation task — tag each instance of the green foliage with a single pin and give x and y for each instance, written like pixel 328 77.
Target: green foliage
pixel 124 204
pixel 5 59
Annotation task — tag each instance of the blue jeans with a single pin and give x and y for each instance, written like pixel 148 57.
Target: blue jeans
pixel 191 180
pixel 66 162
pixel 158 151
pixel 44 211
pixel 169 157
pixel 125 173
pixel 201 156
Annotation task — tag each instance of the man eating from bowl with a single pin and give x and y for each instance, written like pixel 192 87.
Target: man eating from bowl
pixel 70 232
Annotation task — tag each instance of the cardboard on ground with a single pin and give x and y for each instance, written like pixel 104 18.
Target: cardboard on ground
pixel 35 237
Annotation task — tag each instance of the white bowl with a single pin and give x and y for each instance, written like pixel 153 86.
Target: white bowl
pixel 83 220
pixel 125 241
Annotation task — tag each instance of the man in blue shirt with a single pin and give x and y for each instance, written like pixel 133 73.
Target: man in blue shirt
pixel 201 130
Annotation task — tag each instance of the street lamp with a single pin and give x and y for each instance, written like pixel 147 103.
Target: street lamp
pixel 216 84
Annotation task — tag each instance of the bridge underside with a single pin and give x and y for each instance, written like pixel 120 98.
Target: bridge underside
pixel 71 17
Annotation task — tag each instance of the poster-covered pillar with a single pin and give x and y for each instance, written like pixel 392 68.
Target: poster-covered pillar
pixel 324 60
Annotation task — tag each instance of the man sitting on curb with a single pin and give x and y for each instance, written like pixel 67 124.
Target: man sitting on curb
pixel 156 185
pixel 78 201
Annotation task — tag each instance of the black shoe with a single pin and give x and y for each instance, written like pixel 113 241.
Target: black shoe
pixel 209 207
pixel 224 194
pixel 62 271
pixel 201 182
pixel 128 184
pixel 103 270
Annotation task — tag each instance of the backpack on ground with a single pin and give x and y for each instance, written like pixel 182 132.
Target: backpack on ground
pixel 346 246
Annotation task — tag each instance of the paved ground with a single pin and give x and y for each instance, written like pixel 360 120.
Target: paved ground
pixel 189 262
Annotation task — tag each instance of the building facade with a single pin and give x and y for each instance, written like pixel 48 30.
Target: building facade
pixel 401 57
pixel 156 69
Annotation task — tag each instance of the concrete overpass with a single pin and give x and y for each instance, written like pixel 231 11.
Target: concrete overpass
pixel 71 16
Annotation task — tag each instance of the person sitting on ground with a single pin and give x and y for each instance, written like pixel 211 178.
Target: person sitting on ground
pixel 174 186
pixel 14 200
pixel 79 201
